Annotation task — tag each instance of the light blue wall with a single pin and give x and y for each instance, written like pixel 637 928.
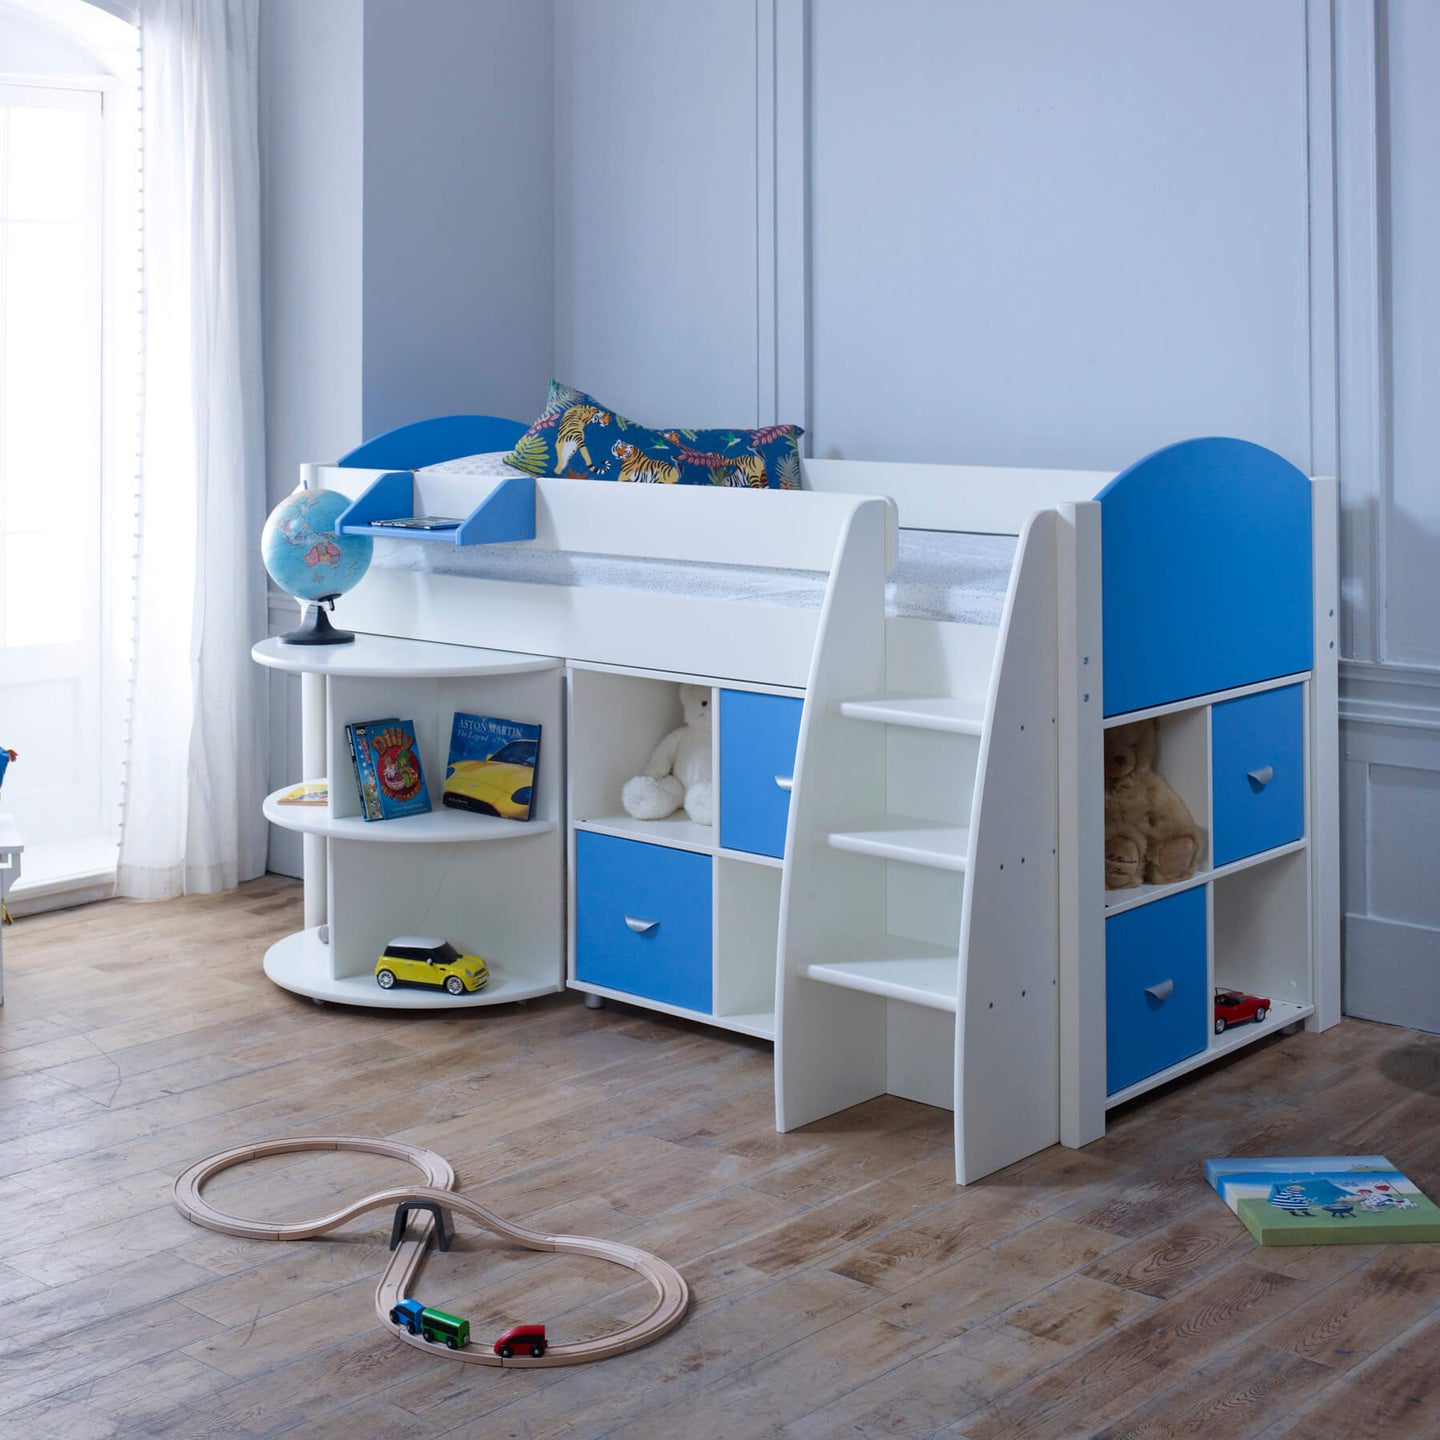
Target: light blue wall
pixel 656 211
pixel 459 219
pixel 1056 234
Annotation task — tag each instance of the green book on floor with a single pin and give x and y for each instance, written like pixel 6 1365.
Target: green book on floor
pixel 1324 1200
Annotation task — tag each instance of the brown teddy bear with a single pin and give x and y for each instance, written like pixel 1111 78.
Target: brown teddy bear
pixel 1149 833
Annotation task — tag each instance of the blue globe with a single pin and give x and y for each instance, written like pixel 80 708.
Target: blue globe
pixel 305 554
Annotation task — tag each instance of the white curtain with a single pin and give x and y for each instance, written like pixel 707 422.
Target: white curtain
pixel 195 771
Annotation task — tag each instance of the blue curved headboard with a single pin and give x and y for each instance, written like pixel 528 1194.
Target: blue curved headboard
pixel 429 442
pixel 1206 564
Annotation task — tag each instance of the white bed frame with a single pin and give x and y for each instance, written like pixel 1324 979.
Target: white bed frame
pixel 978 982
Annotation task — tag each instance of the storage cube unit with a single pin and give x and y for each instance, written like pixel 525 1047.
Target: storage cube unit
pixel 1241 921
pixel 679 916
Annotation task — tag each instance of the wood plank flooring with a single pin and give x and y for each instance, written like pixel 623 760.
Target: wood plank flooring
pixel 844 1286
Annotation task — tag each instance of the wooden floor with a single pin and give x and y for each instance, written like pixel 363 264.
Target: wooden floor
pixel 843 1285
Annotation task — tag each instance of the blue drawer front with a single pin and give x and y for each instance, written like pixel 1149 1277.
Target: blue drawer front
pixel 627 880
pixel 758 736
pixel 1146 948
pixel 1248 737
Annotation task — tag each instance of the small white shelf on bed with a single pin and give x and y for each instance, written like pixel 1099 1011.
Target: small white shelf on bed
pixel 902 837
pixel 676 830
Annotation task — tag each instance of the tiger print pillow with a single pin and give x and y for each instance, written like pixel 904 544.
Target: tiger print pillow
pixel 577 437
pixel 556 444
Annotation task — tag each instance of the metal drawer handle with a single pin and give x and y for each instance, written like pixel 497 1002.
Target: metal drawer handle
pixel 785 782
pixel 1259 779
pixel 640 927
pixel 1162 991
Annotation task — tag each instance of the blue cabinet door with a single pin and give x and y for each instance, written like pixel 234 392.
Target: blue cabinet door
pixel 1156 1002
pixel 758 736
pixel 642 920
pixel 1257 750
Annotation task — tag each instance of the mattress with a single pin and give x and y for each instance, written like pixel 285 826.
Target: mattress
pixel 939 575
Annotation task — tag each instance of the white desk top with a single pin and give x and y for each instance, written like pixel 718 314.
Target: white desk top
pixel 383 655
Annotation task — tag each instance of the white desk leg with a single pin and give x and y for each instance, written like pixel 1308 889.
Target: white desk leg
pixel 313 763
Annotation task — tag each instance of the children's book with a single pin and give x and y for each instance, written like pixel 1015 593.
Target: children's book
pixel 387 765
pixel 307 792
pixel 492 766
pixel 1324 1200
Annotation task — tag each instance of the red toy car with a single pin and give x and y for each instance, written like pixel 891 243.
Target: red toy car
pixel 521 1337
pixel 1233 1006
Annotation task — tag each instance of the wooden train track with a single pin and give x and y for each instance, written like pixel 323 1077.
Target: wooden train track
pixel 672 1294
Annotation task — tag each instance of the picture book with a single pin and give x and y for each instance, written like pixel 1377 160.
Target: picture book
pixel 388 773
pixel 492 766
pixel 392 758
pixel 307 792
pixel 1324 1200
pixel 363 762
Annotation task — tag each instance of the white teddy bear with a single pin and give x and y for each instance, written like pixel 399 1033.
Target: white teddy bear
pixel 678 772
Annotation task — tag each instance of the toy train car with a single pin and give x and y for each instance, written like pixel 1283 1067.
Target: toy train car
pixel 434 1326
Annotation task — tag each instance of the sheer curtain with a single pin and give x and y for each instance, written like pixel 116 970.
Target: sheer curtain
pixel 195 772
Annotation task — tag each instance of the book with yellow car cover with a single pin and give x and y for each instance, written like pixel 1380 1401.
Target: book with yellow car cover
pixel 492 766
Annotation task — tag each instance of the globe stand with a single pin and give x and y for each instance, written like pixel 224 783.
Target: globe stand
pixel 317 629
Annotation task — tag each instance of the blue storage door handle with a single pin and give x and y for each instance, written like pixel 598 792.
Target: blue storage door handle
pixel 785 782
pixel 1162 991
pixel 640 927
pixel 1260 778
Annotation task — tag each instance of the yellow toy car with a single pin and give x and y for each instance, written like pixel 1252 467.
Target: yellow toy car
pixel 423 960
pixel 502 785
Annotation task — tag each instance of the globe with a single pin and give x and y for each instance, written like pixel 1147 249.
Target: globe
pixel 308 558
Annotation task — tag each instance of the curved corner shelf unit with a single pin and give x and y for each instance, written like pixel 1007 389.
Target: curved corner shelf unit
pixel 489 885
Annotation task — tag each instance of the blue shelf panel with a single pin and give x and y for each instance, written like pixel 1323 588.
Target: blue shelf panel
pixel 506 513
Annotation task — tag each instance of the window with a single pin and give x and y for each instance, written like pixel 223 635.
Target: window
pixel 69 308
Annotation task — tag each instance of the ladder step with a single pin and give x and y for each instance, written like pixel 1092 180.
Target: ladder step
pixel 896 968
pixel 916 842
pixel 953 713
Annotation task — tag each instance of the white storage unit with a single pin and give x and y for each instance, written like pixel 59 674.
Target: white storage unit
pixel 490 886
pixel 668 913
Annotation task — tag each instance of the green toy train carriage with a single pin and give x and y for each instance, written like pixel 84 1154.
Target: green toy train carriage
pixel 434 1326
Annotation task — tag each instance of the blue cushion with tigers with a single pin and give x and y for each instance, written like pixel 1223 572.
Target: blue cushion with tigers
pixel 577 437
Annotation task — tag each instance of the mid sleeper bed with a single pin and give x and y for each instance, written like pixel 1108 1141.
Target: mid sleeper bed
pixel 913 667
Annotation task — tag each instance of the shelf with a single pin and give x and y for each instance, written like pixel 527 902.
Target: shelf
pixel 953 714
pixel 1282 1014
pixel 440 827
pixel 1144 894
pixel 385 658
pixel 761 1024
pixel 898 969
pixel 506 513
pixel 301 963
pixel 682 833
pixel 916 842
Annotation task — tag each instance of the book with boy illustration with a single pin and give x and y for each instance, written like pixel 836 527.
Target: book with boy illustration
pixel 387 765
pixel 492 766
pixel 1324 1200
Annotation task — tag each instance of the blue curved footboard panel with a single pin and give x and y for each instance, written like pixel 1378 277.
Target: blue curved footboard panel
pixel 1206 562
